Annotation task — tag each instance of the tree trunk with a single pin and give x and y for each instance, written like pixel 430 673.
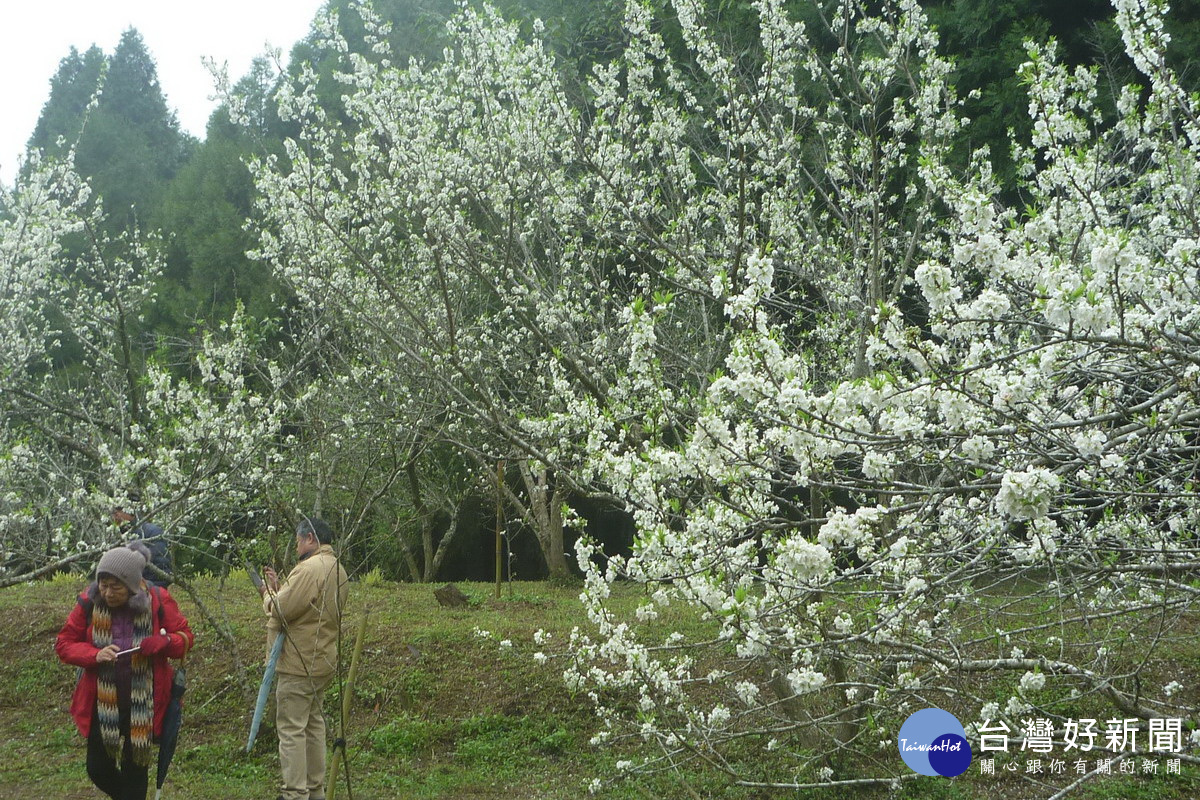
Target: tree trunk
pixel 545 514
pixel 410 560
pixel 434 562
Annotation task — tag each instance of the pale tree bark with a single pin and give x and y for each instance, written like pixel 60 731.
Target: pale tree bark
pixel 435 556
pixel 543 512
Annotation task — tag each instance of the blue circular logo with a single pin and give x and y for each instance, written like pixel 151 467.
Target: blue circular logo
pixel 933 742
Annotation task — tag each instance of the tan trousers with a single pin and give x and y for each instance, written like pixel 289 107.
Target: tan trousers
pixel 300 724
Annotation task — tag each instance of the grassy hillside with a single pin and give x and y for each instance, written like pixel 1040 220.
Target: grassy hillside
pixel 438 712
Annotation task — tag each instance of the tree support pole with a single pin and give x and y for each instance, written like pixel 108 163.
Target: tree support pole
pixel 339 746
pixel 499 542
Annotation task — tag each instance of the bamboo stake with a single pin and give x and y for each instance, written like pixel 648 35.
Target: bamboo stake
pixel 339 747
pixel 499 545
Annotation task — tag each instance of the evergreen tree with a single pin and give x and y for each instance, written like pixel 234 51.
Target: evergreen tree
pixel 129 145
pixel 204 213
pixel 132 92
pixel 136 145
pixel 71 89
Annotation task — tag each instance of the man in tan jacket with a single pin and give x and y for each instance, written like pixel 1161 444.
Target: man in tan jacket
pixel 307 609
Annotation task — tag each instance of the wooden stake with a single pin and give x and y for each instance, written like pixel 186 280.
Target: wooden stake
pixel 339 747
pixel 499 542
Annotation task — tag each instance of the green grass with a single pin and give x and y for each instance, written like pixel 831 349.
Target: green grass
pixel 437 712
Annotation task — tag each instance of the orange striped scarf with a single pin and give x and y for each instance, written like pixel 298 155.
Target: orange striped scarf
pixel 141 711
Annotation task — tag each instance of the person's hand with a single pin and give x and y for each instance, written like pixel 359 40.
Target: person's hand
pixel 271 579
pixel 107 654
pixel 153 645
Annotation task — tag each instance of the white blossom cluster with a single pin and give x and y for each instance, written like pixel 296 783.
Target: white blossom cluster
pixel 1054 377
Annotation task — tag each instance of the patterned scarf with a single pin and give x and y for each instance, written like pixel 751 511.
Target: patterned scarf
pixel 141 711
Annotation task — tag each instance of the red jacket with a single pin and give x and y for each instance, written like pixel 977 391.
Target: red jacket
pixel 74 646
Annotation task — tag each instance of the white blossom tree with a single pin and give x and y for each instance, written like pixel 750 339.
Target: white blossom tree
pixel 890 434
pixel 443 228
pixel 1014 465
pixel 87 415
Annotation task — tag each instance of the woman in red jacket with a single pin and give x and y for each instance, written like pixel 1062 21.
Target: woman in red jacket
pixel 121 696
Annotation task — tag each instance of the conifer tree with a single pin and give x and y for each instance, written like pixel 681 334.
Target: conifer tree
pixel 129 144
pixel 71 89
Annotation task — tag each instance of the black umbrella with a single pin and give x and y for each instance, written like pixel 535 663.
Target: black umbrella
pixel 170 728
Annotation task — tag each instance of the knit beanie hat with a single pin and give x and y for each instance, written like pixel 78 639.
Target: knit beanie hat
pixel 125 563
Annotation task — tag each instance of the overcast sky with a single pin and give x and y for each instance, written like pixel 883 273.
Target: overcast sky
pixel 40 34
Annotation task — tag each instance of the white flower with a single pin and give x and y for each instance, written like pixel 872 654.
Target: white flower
pixel 573 679
pixel 802 560
pixel 719 717
pixel 1016 706
pixel 747 692
pixel 1090 443
pixel 937 283
pixel 876 465
pixel 1032 682
pixel 978 449
pixel 806 680
pixel 1172 688
pixel 1027 495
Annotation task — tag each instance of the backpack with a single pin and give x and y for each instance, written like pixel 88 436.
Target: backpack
pixel 160 569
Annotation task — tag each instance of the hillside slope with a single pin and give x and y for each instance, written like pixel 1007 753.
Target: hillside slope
pixel 438 711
